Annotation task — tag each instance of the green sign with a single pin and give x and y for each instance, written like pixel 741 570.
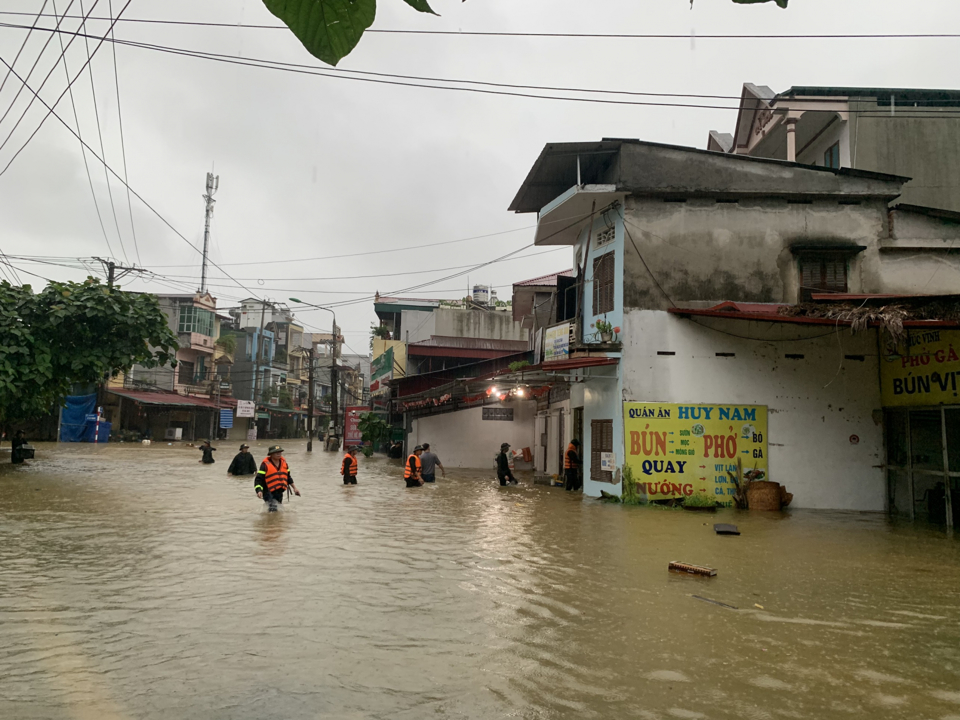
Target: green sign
pixel 382 365
pixel 263 416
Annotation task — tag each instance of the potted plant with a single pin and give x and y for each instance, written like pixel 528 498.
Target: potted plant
pixel 605 330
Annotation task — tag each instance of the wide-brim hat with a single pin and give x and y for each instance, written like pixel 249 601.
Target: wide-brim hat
pixel 504 445
pixel 244 446
pixel 418 447
pixel 274 449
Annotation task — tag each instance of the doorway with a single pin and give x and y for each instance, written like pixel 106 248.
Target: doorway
pixel 923 463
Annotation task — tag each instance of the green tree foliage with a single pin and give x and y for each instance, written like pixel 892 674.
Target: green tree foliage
pixel 373 430
pixel 331 29
pixel 73 333
pixel 378 331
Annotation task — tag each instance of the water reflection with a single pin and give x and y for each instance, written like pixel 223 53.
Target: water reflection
pixel 138 583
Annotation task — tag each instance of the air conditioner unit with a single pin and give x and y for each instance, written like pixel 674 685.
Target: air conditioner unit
pixel 173 434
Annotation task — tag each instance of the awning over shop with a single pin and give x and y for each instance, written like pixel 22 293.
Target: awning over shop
pixel 773 313
pixel 172 399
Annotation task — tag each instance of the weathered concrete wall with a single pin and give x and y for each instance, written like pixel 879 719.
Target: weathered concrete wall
pixel 704 251
pixel 921 146
pixel 417 325
pixel 815 403
pixel 464 439
pixel 920 255
pixel 494 325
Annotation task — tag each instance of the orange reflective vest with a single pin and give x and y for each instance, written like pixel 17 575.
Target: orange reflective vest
pixel 412 468
pixel 570 458
pixel 349 465
pixel 276 477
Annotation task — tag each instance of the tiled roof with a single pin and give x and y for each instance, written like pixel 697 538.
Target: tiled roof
pixel 550 280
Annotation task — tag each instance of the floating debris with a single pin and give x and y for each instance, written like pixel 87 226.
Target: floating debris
pixel 690 569
pixel 715 602
pixel 725 529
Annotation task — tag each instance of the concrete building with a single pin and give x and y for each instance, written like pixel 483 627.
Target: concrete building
pixel 908 132
pixel 693 265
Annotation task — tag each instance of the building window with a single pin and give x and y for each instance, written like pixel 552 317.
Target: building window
pixel 601 441
pixel 603 268
pixel 822 274
pixel 185 372
pixel 195 320
pixel 831 158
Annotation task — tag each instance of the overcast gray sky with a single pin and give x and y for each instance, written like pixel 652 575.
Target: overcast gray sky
pixel 314 166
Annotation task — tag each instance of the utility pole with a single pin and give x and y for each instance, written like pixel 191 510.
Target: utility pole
pixel 111 268
pixel 256 366
pixel 213 183
pixel 333 384
pixel 310 406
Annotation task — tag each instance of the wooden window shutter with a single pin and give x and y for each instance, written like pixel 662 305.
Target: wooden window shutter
pixel 603 283
pixel 601 440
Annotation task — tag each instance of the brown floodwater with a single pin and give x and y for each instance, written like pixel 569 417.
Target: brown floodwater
pixel 137 583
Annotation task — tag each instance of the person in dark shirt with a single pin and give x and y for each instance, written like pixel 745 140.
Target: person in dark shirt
pixel 571 466
pixel 207 451
pixel 243 462
pixel 503 466
pixel 16 453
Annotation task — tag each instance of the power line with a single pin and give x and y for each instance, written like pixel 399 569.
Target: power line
pixel 83 153
pixel 601 36
pixel 24 43
pixel 103 151
pixel 491 89
pixel 57 102
pixel 113 172
pixel 30 72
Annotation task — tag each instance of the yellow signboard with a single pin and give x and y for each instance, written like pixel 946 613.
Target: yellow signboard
pixel 676 450
pixel 923 369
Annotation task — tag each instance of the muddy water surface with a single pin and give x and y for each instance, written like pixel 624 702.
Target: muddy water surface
pixel 137 583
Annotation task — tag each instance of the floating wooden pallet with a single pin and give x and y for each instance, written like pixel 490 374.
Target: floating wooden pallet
pixel 689 569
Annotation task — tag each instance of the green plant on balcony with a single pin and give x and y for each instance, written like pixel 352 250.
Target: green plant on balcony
pixel 227 343
pixel 280 356
pixel 518 365
pixel 285 398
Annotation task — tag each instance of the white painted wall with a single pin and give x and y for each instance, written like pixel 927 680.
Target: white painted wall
pixel 601 401
pixel 417 325
pixel 815 404
pixel 463 439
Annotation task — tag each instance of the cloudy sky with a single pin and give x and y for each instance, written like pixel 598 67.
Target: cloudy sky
pixel 312 167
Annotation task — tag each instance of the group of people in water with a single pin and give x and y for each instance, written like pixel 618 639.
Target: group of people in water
pixel 272 480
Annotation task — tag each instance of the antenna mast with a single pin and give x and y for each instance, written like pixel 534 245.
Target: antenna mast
pixel 213 182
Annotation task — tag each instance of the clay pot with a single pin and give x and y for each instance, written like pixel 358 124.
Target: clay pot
pixel 764 495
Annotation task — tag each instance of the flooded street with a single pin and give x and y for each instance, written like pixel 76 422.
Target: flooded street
pixel 137 583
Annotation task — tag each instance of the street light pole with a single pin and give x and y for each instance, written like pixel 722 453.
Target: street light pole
pixel 333 368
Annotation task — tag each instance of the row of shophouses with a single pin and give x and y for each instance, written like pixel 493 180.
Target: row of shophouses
pixel 255 355
pixel 787 300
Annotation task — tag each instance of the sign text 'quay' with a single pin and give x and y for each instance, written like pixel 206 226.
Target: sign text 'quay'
pixel 675 450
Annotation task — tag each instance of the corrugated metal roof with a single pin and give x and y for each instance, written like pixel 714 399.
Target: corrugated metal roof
pixel 163 397
pixel 546 280
pixel 469 343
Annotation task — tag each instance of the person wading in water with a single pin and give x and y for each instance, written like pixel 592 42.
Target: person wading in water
pixel 273 478
pixel 348 468
pixel 429 463
pixel 208 452
pixel 571 466
pixel 503 466
pixel 411 471
pixel 243 462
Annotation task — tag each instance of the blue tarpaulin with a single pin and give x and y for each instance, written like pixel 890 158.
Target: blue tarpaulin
pixel 73 422
pixel 92 431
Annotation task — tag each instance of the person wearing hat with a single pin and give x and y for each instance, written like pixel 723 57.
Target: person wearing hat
pixel 503 466
pixel 273 478
pixel 571 466
pixel 348 468
pixel 208 452
pixel 243 462
pixel 429 463
pixel 411 471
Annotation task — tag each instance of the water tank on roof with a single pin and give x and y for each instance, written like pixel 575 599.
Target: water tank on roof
pixel 481 294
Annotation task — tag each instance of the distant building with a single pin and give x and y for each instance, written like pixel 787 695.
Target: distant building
pixel 913 133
